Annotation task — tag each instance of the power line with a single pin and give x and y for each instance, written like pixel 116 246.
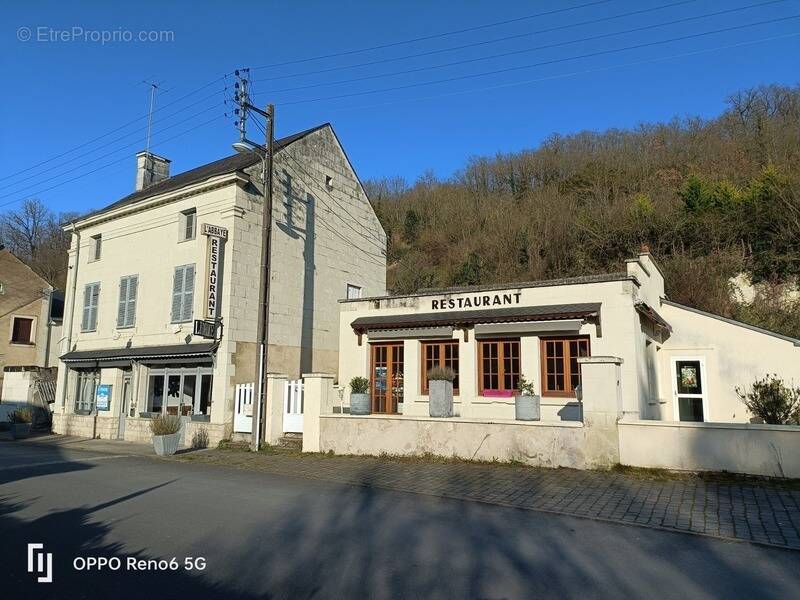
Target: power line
pixel 523 51
pixel 108 164
pixel 433 36
pixel 539 64
pixel 485 42
pixel 123 126
pixel 115 140
pixel 565 75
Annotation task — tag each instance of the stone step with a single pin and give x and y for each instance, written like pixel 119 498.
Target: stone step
pixel 291 440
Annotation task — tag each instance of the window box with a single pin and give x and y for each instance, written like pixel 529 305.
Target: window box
pixel 498 393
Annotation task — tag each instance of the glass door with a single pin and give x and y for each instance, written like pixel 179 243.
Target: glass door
pixel 688 391
pixel 386 377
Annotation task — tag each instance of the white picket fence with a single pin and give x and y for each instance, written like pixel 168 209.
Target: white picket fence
pixel 292 407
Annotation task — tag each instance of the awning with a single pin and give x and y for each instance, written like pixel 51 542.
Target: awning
pixel 115 357
pixel 459 319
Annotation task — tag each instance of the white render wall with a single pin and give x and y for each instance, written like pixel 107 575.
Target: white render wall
pixel 734 356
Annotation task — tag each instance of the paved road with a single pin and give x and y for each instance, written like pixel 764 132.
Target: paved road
pixel 268 535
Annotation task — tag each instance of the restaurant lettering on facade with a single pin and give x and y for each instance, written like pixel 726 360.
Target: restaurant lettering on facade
pixel 477 301
pixel 215 236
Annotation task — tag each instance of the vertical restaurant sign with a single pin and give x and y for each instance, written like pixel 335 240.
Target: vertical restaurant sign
pixel 216 235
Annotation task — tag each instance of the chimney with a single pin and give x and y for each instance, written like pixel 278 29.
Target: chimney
pixel 150 169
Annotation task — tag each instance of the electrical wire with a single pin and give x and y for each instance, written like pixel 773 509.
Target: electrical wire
pixel 539 64
pixel 487 42
pixel 431 37
pixel 522 51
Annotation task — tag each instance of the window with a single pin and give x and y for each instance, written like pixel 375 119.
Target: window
pixel 439 354
pixel 499 365
pixel 2 288
pixel 183 294
pixel 85 390
pixel 689 388
pixel 180 391
pixel 22 330
pixel 353 292
pixel 97 246
pixel 561 372
pixel 91 299
pixel 188 222
pixel 126 311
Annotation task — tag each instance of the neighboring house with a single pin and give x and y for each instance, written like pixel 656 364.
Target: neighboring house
pixel 188 247
pixel 30 327
pixel 676 363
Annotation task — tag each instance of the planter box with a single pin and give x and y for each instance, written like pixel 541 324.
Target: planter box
pixel 20 430
pixel 360 404
pixel 527 408
pixel 166 445
pixel 440 398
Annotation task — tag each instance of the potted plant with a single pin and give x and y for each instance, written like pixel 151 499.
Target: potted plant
pixel 527 404
pixel 359 396
pixel 440 391
pixel 20 422
pixel 166 434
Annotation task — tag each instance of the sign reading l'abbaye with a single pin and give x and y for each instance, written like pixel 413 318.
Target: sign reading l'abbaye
pixel 477 301
pixel 216 235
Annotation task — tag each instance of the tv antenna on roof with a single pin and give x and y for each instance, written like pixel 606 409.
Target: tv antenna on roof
pixel 153 88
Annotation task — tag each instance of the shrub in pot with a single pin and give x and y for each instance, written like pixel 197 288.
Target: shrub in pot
pixel 440 391
pixel 166 434
pixel 20 422
pixel 359 396
pixel 527 404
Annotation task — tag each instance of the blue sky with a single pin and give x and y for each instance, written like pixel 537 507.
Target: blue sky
pixel 63 88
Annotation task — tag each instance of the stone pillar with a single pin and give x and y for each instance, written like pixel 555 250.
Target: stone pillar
pixel 318 399
pixel 601 399
pixel 276 383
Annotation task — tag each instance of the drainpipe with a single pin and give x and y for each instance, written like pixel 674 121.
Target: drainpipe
pixel 71 317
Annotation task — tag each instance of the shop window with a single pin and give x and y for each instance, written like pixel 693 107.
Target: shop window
pixel 22 330
pixel 85 391
pixel 439 354
pixel 561 372
pixel 181 391
pixel 498 366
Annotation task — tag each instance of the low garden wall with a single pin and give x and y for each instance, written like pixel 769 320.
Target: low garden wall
pixel 769 450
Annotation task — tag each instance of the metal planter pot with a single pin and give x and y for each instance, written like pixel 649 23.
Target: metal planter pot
pixel 360 404
pixel 20 430
pixel 166 445
pixel 440 398
pixel 527 408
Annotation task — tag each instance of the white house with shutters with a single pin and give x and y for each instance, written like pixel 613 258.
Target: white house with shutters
pixel 187 248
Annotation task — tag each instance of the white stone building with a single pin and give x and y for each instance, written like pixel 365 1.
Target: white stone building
pixel 142 270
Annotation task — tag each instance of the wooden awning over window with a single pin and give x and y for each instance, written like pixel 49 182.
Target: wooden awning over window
pixel 589 311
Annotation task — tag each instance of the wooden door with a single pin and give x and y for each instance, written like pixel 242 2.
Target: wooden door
pixel 386 377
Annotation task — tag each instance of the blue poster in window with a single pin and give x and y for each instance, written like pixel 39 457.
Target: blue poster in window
pixel 103 397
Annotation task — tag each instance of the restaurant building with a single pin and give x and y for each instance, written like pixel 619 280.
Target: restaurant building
pixel 187 248
pixel 675 363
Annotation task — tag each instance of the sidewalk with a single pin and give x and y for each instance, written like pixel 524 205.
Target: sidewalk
pixel 748 509
pixel 94 445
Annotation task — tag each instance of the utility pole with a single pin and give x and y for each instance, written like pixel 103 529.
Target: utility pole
pixel 266 152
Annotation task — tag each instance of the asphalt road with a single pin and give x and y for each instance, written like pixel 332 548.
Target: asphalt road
pixel 261 535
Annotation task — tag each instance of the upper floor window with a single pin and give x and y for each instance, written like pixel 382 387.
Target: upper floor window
pixel 91 301
pixel 561 372
pixel 2 288
pixel 97 247
pixel 188 223
pixel 353 292
pixel 126 310
pixel 22 330
pixel 183 294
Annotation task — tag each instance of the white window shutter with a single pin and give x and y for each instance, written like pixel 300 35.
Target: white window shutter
pixel 177 294
pixel 86 308
pixel 122 307
pixel 95 300
pixel 133 285
pixel 188 293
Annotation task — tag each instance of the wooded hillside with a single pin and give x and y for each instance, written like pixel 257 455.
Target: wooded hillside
pixel 711 199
